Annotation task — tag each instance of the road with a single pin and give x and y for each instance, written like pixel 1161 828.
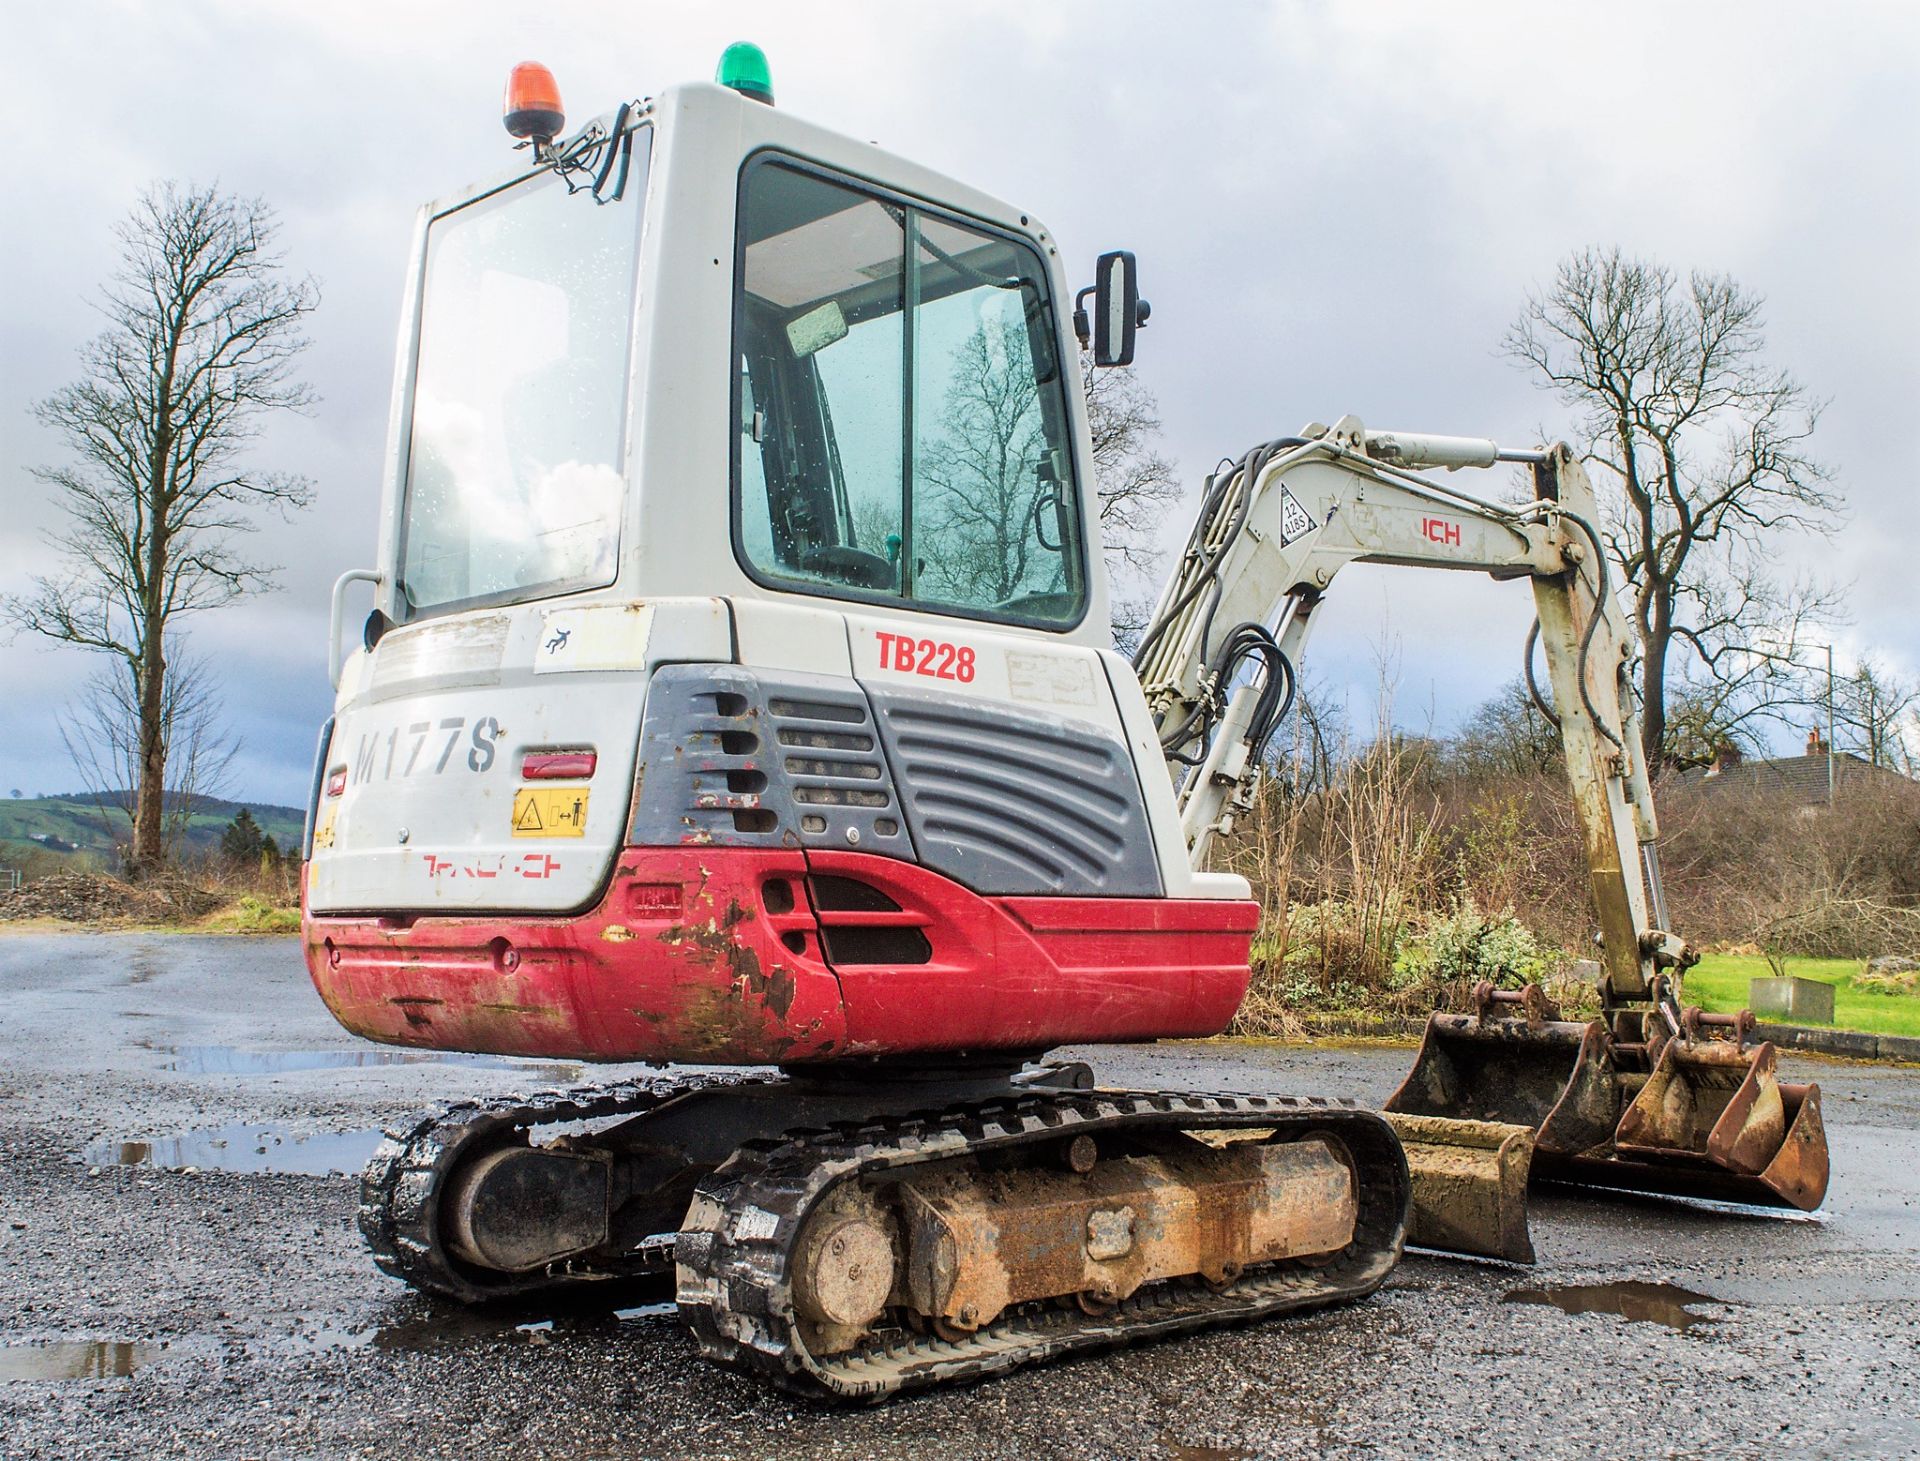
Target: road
pixel 151 1311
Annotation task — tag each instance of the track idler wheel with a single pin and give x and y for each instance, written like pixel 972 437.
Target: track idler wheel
pixel 520 1208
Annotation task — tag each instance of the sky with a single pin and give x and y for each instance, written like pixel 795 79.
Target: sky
pixel 1337 207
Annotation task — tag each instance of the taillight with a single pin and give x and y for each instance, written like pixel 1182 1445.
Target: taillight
pixel 558 765
pixel 337 781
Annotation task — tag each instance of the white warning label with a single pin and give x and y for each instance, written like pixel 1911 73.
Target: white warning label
pixel 1294 522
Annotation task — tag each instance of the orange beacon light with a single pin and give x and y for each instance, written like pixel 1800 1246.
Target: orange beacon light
pixel 532 108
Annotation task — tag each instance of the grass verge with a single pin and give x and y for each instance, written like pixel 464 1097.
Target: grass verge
pixel 1718 983
pixel 250 914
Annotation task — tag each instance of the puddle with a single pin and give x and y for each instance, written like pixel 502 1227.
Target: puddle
pixel 231 1060
pixel 1183 1451
pixel 256 1148
pixel 79 1359
pixel 1651 1303
pixel 460 1330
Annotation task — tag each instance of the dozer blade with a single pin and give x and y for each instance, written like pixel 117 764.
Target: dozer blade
pixel 1482 1095
pixel 1469 1185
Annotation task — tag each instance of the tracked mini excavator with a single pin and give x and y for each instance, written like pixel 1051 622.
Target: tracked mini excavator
pixel 738 698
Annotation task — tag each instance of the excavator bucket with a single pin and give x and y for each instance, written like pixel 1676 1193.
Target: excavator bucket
pixel 1555 1077
pixel 1711 1119
pixel 1715 1120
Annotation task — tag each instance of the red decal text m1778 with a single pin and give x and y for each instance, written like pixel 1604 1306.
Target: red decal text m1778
pixel 1439 530
pixel 937 659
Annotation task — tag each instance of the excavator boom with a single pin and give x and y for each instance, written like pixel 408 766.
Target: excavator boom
pixel 1651 1096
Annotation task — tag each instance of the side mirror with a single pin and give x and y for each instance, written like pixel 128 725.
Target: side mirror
pixel 1118 309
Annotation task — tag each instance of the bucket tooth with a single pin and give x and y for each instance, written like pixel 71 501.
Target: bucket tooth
pixel 1469 1185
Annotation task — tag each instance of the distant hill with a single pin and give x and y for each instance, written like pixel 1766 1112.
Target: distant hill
pixel 79 827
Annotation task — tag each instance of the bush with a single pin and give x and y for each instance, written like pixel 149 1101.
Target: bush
pixel 1322 961
pixel 1464 946
pixel 1888 981
pixel 254 914
pixel 1377 866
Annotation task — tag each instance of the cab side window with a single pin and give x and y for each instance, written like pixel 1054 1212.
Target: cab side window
pixel 902 431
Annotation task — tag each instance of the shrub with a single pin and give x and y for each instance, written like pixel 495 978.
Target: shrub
pixel 254 914
pixel 1465 946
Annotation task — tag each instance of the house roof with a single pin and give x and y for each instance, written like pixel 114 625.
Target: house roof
pixel 1801 778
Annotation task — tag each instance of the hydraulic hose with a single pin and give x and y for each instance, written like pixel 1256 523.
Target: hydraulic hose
pixel 1533 687
pixel 1593 627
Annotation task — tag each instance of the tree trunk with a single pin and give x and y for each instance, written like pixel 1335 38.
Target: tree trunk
pixel 149 803
pixel 1653 688
pixel 149 808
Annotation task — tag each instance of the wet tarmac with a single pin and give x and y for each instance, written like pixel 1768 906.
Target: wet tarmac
pixel 177 1278
pixel 247 1148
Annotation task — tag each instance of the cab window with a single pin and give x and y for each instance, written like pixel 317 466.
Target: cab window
pixel 900 424
pixel 514 483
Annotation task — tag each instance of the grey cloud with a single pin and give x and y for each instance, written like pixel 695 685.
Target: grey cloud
pixel 1337 208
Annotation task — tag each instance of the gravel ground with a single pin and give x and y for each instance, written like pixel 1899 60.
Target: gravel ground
pixel 250 1322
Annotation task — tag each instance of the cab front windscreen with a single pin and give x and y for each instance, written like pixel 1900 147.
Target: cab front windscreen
pixel 514 483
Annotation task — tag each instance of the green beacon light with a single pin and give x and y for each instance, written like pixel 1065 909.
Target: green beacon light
pixel 743 68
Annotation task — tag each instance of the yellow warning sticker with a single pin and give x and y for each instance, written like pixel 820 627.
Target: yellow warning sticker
pixel 323 834
pixel 550 811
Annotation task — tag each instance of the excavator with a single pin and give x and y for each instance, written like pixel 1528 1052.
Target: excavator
pixel 738 699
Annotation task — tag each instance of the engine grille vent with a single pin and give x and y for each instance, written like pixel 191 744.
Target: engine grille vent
pixel 1013 802
pixel 739 757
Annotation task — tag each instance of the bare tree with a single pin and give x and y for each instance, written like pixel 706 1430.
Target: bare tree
pixel 1135 485
pixel 987 491
pixel 1507 735
pixel 1877 715
pixel 983 468
pixel 101 732
pixel 1708 447
pixel 202 333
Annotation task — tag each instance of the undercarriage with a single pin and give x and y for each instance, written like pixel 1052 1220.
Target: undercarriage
pixel 857 1235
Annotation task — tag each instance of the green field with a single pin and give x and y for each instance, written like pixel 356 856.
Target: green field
pixel 84 834
pixel 1718 983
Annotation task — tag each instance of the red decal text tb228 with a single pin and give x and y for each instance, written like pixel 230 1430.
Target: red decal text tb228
pixel 937 659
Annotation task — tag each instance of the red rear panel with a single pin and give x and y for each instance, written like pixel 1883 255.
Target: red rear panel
pixel 750 956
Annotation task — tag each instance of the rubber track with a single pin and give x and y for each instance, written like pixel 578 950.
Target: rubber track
pixel 735 1249
pixel 401 1185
